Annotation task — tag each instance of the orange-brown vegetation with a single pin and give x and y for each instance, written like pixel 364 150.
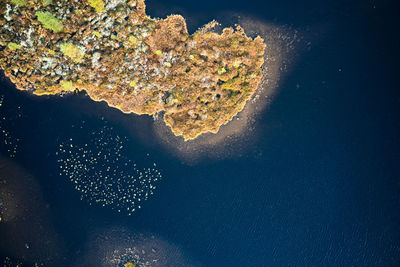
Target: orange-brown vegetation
pixel 133 62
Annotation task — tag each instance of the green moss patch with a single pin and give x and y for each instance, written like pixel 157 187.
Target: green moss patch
pixel 49 21
pixel 14 46
pixel 19 2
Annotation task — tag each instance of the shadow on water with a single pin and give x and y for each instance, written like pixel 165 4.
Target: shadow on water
pixel 27 232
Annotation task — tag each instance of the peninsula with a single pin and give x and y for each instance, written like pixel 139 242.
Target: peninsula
pixel 116 53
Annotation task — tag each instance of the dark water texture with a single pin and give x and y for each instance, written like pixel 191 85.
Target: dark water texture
pixel 319 187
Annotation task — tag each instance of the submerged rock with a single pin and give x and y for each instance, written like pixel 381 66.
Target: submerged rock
pixel 129 264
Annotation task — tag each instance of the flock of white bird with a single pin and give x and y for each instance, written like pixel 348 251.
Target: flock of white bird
pixel 7 140
pixel 101 171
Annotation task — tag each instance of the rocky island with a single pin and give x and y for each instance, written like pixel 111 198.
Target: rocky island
pixel 116 53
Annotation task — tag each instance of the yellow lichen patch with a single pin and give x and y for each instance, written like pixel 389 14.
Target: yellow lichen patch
pixel 221 70
pixel 132 84
pixel 159 53
pixel 73 52
pixel 19 2
pixel 97 34
pixel 49 21
pixel 52 52
pixel 168 65
pixel 14 46
pixel 98 5
pixel 133 40
pixel 47 2
pixel 68 86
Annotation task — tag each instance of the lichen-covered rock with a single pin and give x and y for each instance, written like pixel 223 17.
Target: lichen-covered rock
pixel 116 53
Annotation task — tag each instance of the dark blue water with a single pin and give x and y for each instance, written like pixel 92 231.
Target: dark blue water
pixel 319 187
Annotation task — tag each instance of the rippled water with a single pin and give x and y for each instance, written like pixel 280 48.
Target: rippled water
pixel 314 183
